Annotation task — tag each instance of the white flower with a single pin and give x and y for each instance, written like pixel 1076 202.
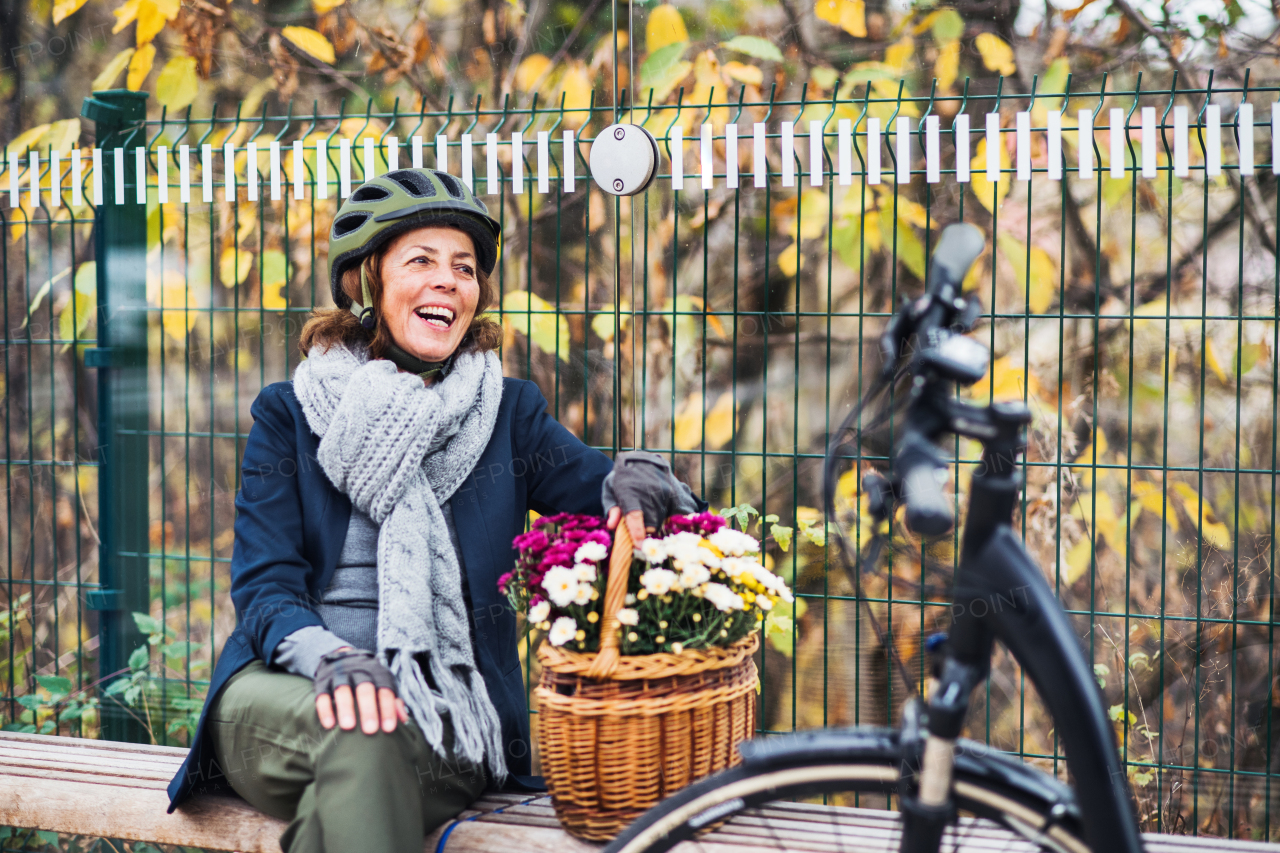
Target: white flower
pixel 734 543
pixel 763 602
pixel 628 616
pixel 591 552
pixel 560 583
pixel 585 572
pixel 653 550
pixel 682 546
pixel 733 567
pixel 707 557
pixel 539 612
pixel 771 582
pixel 582 595
pixel 723 598
pixel 658 581
pixel 562 631
pixel 677 648
pixel 693 574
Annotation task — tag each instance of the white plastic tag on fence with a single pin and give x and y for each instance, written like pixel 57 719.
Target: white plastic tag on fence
pixel 299 167
pixel 97 176
pixel 491 164
pixel 1084 143
pixel 706 156
pixel 1181 164
pixel 758 161
pixel 442 153
pixel 55 179
pixel 1053 143
pixel 162 174
pixel 35 178
pixel 517 162
pixel 1213 141
pixel 677 158
pixel 369 169
pixel 844 151
pixel 415 156
pixel 393 153
pixel 228 173
pixel 960 129
pixel 902 142
pixel 873 150
pixel 274 164
pixel 344 168
pixel 468 171
pixel 77 178
pixel 14 201
pixel 1022 142
pixel 251 170
pixel 1148 142
pixel 731 156
pixel 322 169
pixel 1275 138
pixel 1244 128
pixel 570 158
pixel 932 151
pixel 993 147
pixel 544 161
pixel 206 172
pixel 817 164
pixel 1116 137
pixel 140 173
pixel 184 174
pixel 788 154
pixel 117 160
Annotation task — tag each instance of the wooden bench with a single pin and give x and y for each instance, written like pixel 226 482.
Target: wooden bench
pixel 117 790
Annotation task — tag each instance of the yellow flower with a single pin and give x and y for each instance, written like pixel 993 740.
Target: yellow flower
pixel 706 543
pixel 659 639
pixel 662 624
pixel 580 636
pixel 593 616
pixel 697 617
pixel 642 595
pixel 632 637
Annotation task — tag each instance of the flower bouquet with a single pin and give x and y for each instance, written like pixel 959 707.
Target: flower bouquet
pixel 648 679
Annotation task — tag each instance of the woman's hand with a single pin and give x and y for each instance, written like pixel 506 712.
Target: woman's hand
pixel 642 486
pixel 375 695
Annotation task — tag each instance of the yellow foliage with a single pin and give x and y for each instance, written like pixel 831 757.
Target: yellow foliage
pixel 311 42
pixel 63 9
pixel 603 322
pixel 1213 532
pixel 537 318
pixel 273 274
pixel 168 287
pixel 1005 381
pixel 234 266
pixel 106 79
pixel 576 89
pixel 27 140
pixel 1042 283
pixel 63 136
pixel 1211 358
pixel 152 16
pixel 790 260
pixel 1154 500
pixel 324 7
pixel 664 27
pixel 140 66
pixel 996 53
pixel 178 83
pixel 693 427
pixel 990 195
pixel 848 15
pixel 1078 558
pixel 897 55
pixel 749 74
pixel 947 66
pixel 530 71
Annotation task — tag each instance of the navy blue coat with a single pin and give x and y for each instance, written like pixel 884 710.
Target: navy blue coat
pixel 291 523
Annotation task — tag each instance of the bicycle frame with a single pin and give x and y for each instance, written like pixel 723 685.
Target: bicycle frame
pixel 1000 593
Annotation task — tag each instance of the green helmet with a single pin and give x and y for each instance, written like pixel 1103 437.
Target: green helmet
pixel 391 204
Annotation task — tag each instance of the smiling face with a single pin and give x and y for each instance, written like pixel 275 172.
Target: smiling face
pixel 429 291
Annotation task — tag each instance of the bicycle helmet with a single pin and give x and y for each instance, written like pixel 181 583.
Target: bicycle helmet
pixel 387 206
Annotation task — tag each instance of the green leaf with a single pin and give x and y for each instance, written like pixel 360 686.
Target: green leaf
pixel 47 837
pixel 148 624
pixel 22 728
pixel 657 63
pixel 139 660
pixel 663 84
pixel 755 46
pixel 31 702
pixel 948 25
pixel 57 686
pixel 910 249
pixel 1100 672
pixel 119 686
pixel 47 728
pixel 184 703
pixel 75 316
pixel 781 535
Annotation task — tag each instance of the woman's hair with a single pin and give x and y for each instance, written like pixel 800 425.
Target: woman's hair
pixel 329 326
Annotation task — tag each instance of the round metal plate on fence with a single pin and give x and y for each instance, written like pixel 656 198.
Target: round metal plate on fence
pixel 624 159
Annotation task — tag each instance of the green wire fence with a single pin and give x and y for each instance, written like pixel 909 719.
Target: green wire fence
pixel 727 316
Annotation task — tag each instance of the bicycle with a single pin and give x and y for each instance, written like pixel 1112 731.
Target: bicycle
pixel 998 593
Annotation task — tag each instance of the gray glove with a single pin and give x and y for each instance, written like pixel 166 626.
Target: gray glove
pixel 643 480
pixel 351 667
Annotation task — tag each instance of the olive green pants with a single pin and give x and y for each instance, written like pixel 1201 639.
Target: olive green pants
pixel 341 791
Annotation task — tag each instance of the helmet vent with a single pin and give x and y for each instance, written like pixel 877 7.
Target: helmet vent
pixel 414 183
pixel 344 225
pixel 371 192
pixel 451 185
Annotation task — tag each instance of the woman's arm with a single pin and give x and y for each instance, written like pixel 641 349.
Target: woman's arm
pixel 269 569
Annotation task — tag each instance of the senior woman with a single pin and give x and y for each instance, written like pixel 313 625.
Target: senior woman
pixel 372 688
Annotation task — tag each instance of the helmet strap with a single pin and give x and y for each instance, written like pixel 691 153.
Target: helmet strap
pixel 365 311
pixel 395 355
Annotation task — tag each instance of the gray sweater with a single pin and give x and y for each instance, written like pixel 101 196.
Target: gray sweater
pixel 349 606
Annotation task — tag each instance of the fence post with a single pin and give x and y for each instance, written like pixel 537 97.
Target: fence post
pixel 120 232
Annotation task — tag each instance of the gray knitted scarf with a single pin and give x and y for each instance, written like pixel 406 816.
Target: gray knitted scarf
pixel 399 449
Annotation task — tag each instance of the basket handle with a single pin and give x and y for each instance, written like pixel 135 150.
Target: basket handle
pixel 615 593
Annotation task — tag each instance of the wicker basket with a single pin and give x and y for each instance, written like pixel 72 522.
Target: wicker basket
pixel 618 734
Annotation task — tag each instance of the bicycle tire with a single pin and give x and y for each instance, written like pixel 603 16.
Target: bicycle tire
pixel 987 785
